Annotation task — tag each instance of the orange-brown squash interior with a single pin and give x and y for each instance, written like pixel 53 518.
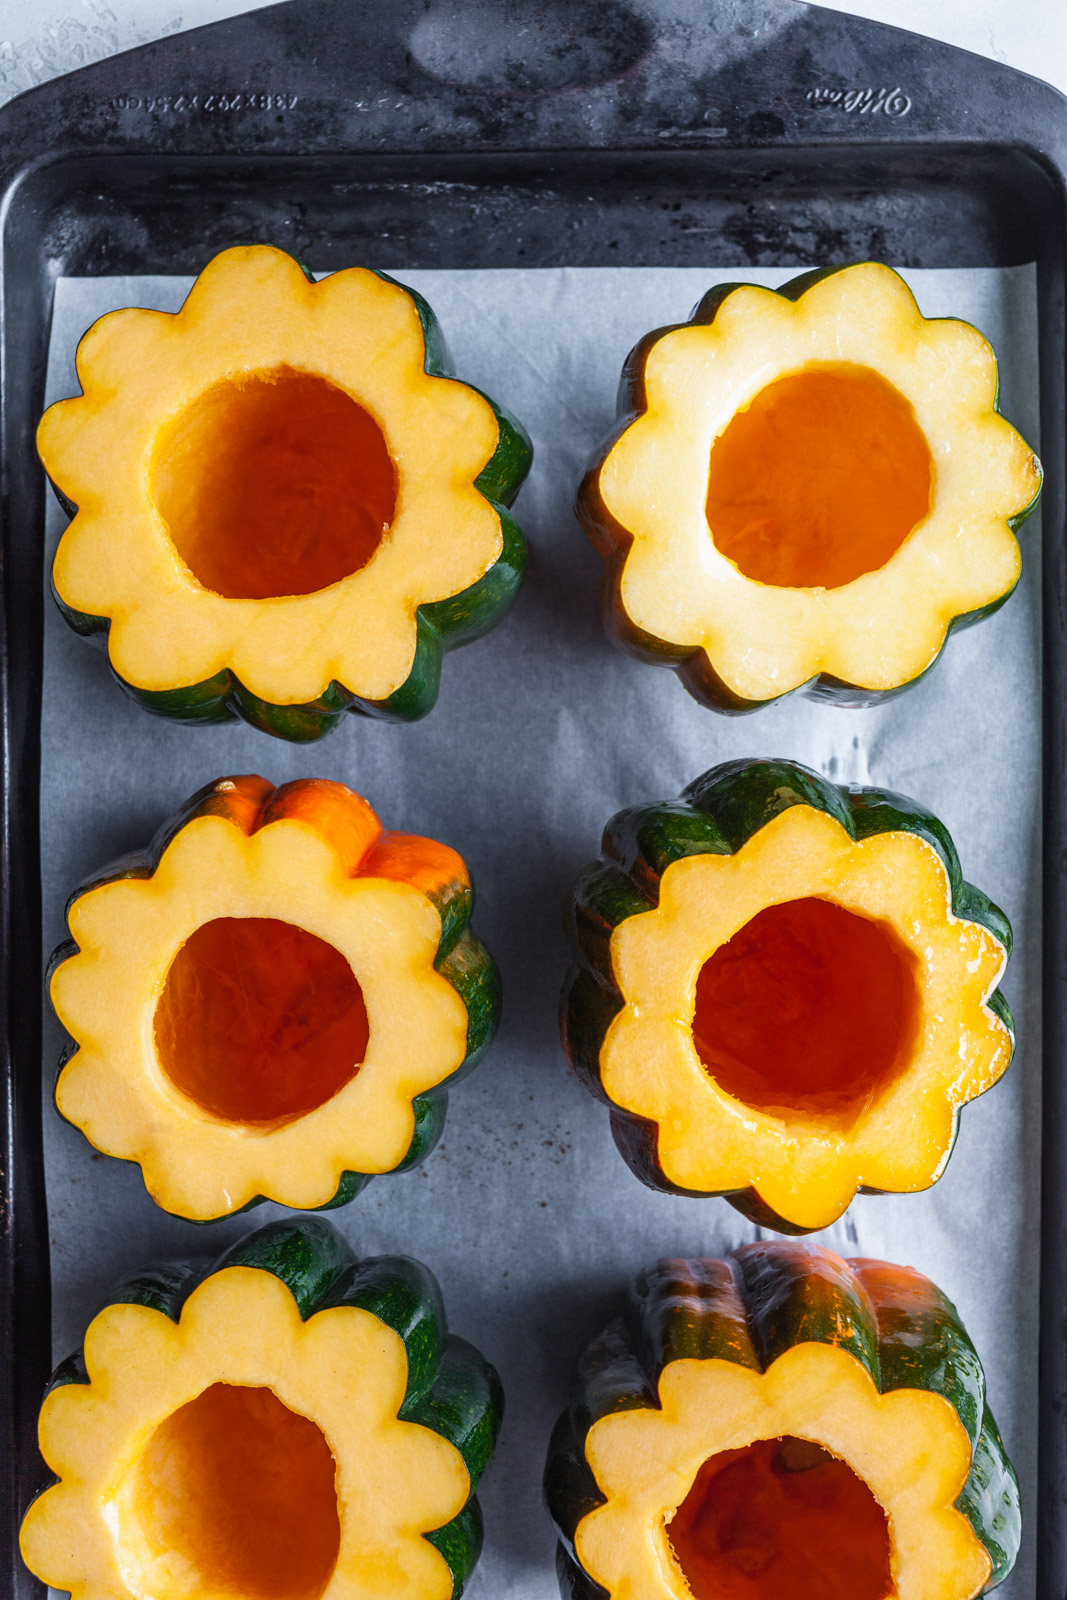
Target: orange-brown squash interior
pixel 260 1021
pixel 274 483
pixel 809 1008
pixel 819 479
pixel 242 1490
pixel 781 1519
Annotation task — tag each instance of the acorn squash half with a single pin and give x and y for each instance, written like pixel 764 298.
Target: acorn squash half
pixel 807 486
pixel 270 1001
pixel 287 1423
pixel 785 991
pixel 287 506
pixel 779 1425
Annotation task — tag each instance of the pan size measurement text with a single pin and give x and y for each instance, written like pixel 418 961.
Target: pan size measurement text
pixel 862 102
pixel 206 104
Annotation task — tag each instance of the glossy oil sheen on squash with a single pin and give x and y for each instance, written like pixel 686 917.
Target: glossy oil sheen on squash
pixel 780 1425
pixel 784 990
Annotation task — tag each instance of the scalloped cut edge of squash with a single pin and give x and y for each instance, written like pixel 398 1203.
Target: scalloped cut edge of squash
pixel 909 1447
pixel 253 310
pixel 343 1369
pixel 645 502
pixel 317 858
pixel 806 1168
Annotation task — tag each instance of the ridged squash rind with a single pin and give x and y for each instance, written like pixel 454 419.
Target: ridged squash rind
pixel 719 815
pixel 875 305
pixel 451 1389
pixel 767 1301
pixel 438 625
pixel 461 960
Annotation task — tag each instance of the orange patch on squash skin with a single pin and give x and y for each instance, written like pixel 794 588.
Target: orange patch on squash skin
pixel 260 1021
pixel 819 479
pixel 781 1519
pixel 338 927
pixel 808 1007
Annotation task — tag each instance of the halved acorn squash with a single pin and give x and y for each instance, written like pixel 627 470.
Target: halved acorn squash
pixel 807 486
pixel 779 1425
pixel 785 991
pixel 287 1423
pixel 287 507
pixel 269 1002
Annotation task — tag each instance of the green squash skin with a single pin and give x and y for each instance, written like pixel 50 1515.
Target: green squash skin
pixel 750 1308
pixel 613 541
pixel 462 960
pixel 716 815
pixel 451 1388
pixel 441 625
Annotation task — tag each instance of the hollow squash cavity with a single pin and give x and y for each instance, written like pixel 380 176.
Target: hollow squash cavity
pixel 819 479
pixel 781 1519
pixel 237 1494
pixel 809 1008
pixel 275 483
pixel 260 1021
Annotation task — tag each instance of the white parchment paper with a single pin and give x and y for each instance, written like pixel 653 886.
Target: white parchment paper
pixel 525 1211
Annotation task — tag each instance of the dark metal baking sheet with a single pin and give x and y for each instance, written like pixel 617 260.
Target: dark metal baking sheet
pixel 413 134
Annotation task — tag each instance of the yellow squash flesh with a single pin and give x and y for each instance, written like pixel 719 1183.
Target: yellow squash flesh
pixel 909 1447
pixel 129 931
pixel 738 642
pixel 121 1526
pixel 805 1167
pixel 254 311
